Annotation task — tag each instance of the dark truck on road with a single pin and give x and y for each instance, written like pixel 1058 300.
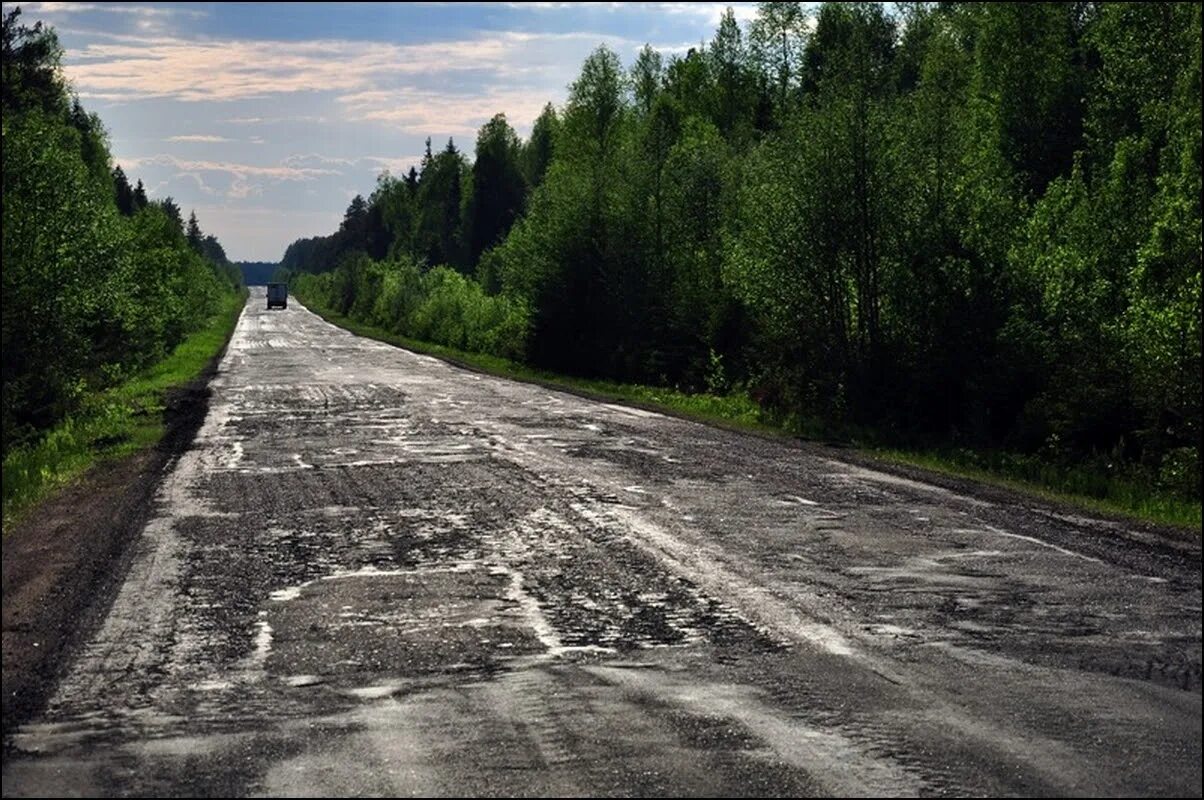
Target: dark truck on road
pixel 278 295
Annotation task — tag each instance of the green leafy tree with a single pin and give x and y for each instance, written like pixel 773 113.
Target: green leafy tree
pixel 701 313
pixel 688 80
pixel 139 196
pixel 169 207
pixel 538 151
pixel 498 187
pixel 193 233
pixel 122 193
pixel 31 59
pixel 1029 81
pixel 647 75
pixel 439 231
pixel 732 68
pixel 779 36
pixel 97 283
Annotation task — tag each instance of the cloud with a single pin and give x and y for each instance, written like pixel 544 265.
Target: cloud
pixel 398 165
pixel 709 12
pixel 444 114
pixel 241 180
pixel 546 6
pixel 373 164
pixel 328 100
pixel 295 167
pixel 301 160
pixel 241 189
pixel 272 120
pixel 198 137
pixel 63 9
pixel 146 19
pixel 200 182
pixel 134 68
pixel 226 70
pixel 278 172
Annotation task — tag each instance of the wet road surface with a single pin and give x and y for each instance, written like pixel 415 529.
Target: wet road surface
pixel 376 574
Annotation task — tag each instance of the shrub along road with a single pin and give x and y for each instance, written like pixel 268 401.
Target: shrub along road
pixel 374 573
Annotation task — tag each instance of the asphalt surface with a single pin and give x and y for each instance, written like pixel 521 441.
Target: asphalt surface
pixel 377 574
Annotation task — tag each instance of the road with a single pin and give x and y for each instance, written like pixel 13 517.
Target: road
pixel 377 574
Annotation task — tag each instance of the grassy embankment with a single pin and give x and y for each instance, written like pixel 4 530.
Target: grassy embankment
pixel 1078 487
pixel 113 423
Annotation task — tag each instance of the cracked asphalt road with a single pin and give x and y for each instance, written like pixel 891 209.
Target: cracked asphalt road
pixel 377 574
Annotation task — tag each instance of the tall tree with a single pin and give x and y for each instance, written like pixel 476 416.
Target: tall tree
pixel 212 249
pixel 646 76
pixel 122 192
pixel 1030 81
pixel 596 106
pixel 92 291
pixel 30 60
pixel 539 149
pixel 498 187
pixel 439 237
pixel 730 66
pixel 779 35
pixel 689 82
pixel 395 201
pixel 193 234
pixel 659 131
pixel 354 228
pixel 169 207
pixel 139 196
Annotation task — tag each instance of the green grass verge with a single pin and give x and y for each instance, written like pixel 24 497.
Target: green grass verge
pixel 1081 488
pixel 736 411
pixel 113 423
pixel 1078 488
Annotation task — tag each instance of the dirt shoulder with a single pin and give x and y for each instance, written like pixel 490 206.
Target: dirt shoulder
pixel 63 562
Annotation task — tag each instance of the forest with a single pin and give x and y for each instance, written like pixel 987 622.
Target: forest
pixel 976 225
pixel 257 273
pixel 100 280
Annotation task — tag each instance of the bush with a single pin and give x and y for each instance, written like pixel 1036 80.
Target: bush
pixel 440 306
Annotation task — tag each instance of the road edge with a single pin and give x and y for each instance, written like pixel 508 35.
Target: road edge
pixel 63 564
pixel 1136 530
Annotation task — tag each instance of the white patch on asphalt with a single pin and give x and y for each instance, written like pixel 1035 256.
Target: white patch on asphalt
pixel 532 614
pixel 842 766
pixel 1061 550
pixel 263 644
pixel 634 412
pixel 680 558
pixel 845 472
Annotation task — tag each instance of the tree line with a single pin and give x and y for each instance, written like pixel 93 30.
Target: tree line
pixel 99 280
pixel 257 273
pixel 976 224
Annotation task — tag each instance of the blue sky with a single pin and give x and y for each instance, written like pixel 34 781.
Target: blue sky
pixel 268 118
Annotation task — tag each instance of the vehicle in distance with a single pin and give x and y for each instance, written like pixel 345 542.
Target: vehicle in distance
pixel 278 295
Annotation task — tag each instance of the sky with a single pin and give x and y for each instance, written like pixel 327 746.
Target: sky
pixel 266 119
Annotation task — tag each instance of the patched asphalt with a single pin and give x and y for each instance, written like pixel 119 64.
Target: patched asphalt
pixel 377 574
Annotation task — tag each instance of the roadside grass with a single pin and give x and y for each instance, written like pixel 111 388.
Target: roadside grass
pixel 1084 489
pixel 737 411
pixel 113 423
pixel 1089 491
